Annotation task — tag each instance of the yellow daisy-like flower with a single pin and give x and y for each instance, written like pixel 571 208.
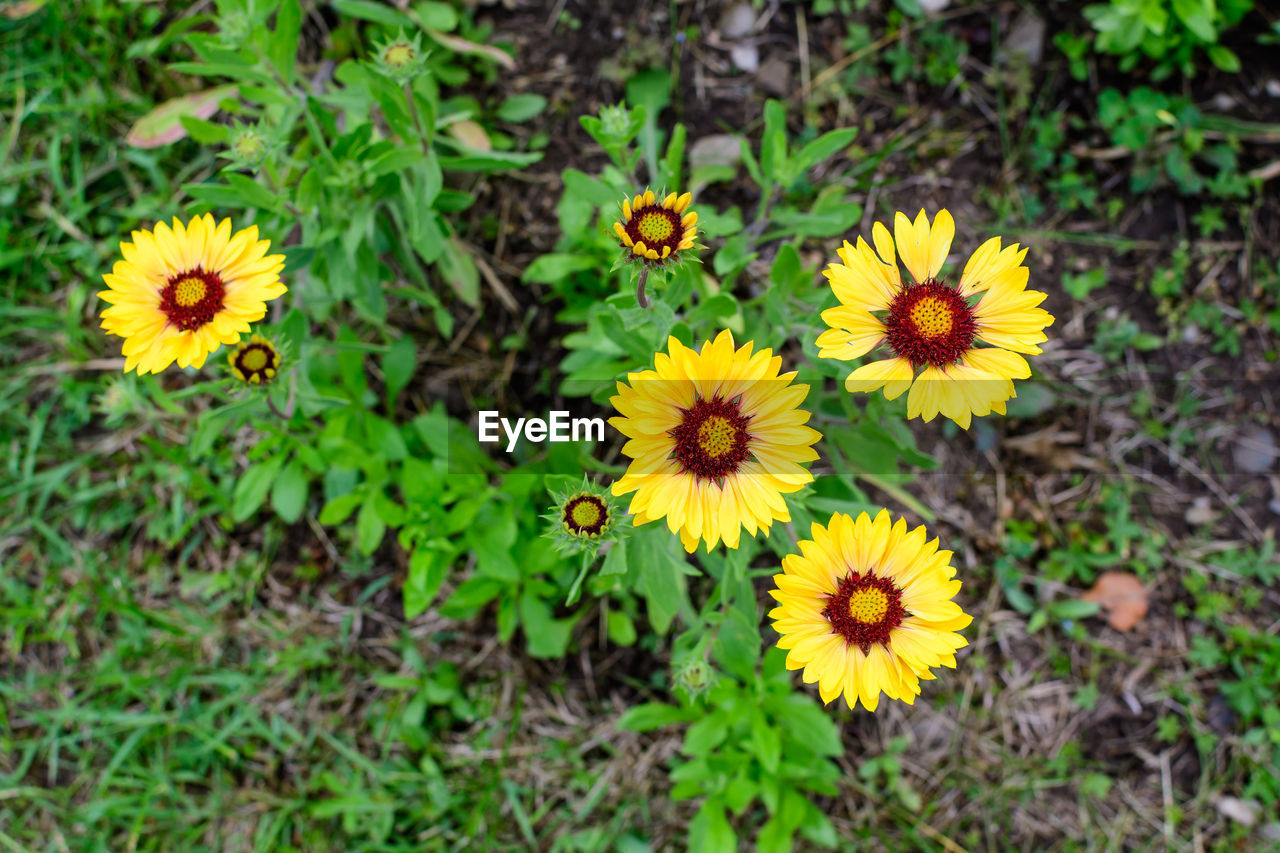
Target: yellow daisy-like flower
pixel 656 233
pixel 866 608
pixel 180 293
pixel 255 362
pixel 933 328
pixel 716 440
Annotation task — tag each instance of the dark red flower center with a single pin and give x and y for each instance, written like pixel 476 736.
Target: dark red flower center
pixel 192 299
pixel 655 226
pixel 585 515
pixel 864 609
pixel 930 323
pixel 712 438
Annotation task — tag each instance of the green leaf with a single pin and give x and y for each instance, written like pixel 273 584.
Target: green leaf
pixel 1198 16
pixel 337 510
pixel 620 628
pixel 820 149
pixel 773 144
pixel 661 573
pixel 706 734
pixel 787 266
pixel 398 366
pixel 459 270
pixel 235 71
pixel 650 716
pixel 283 44
pixel 434 15
pixel 252 487
pixel 378 13
pixel 545 636
pixel 1074 608
pixel 523 107
pixel 427 569
pixel 766 742
pixel 254 193
pixel 807 723
pixel 369 527
pixel 470 596
pixel 492 161
pixel 589 189
pixel 737 646
pixel 615 559
pixel 709 832
pixel 549 269
pixel 1224 57
pixel 289 494
pixel 395 160
pixel 206 132
pixel 733 255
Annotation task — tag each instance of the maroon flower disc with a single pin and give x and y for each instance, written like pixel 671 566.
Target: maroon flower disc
pixel 864 609
pixel 585 515
pixel 655 226
pixel 930 324
pixel 711 439
pixel 192 299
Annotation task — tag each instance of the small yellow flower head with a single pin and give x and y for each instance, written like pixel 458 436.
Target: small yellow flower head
pixel 399 55
pixel 582 518
pixel 256 362
pixel 248 145
pixel 694 676
pixel 401 58
pixel 656 233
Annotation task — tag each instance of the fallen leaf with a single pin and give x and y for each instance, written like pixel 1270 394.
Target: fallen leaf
pixel 460 45
pixel 163 125
pixel 471 135
pixel 1123 597
pixel 1241 811
pixel 23 9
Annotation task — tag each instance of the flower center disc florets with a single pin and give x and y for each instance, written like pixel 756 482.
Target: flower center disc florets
pixel 930 324
pixel 864 609
pixel 254 358
pixel 656 227
pixel 712 439
pixel 192 299
pixel 257 360
pixel 399 55
pixel 585 515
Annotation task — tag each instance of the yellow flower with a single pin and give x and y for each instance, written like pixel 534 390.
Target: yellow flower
pixel 657 233
pixel 933 328
pixel 866 608
pixel 716 440
pixel 255 362
pixel 180 293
